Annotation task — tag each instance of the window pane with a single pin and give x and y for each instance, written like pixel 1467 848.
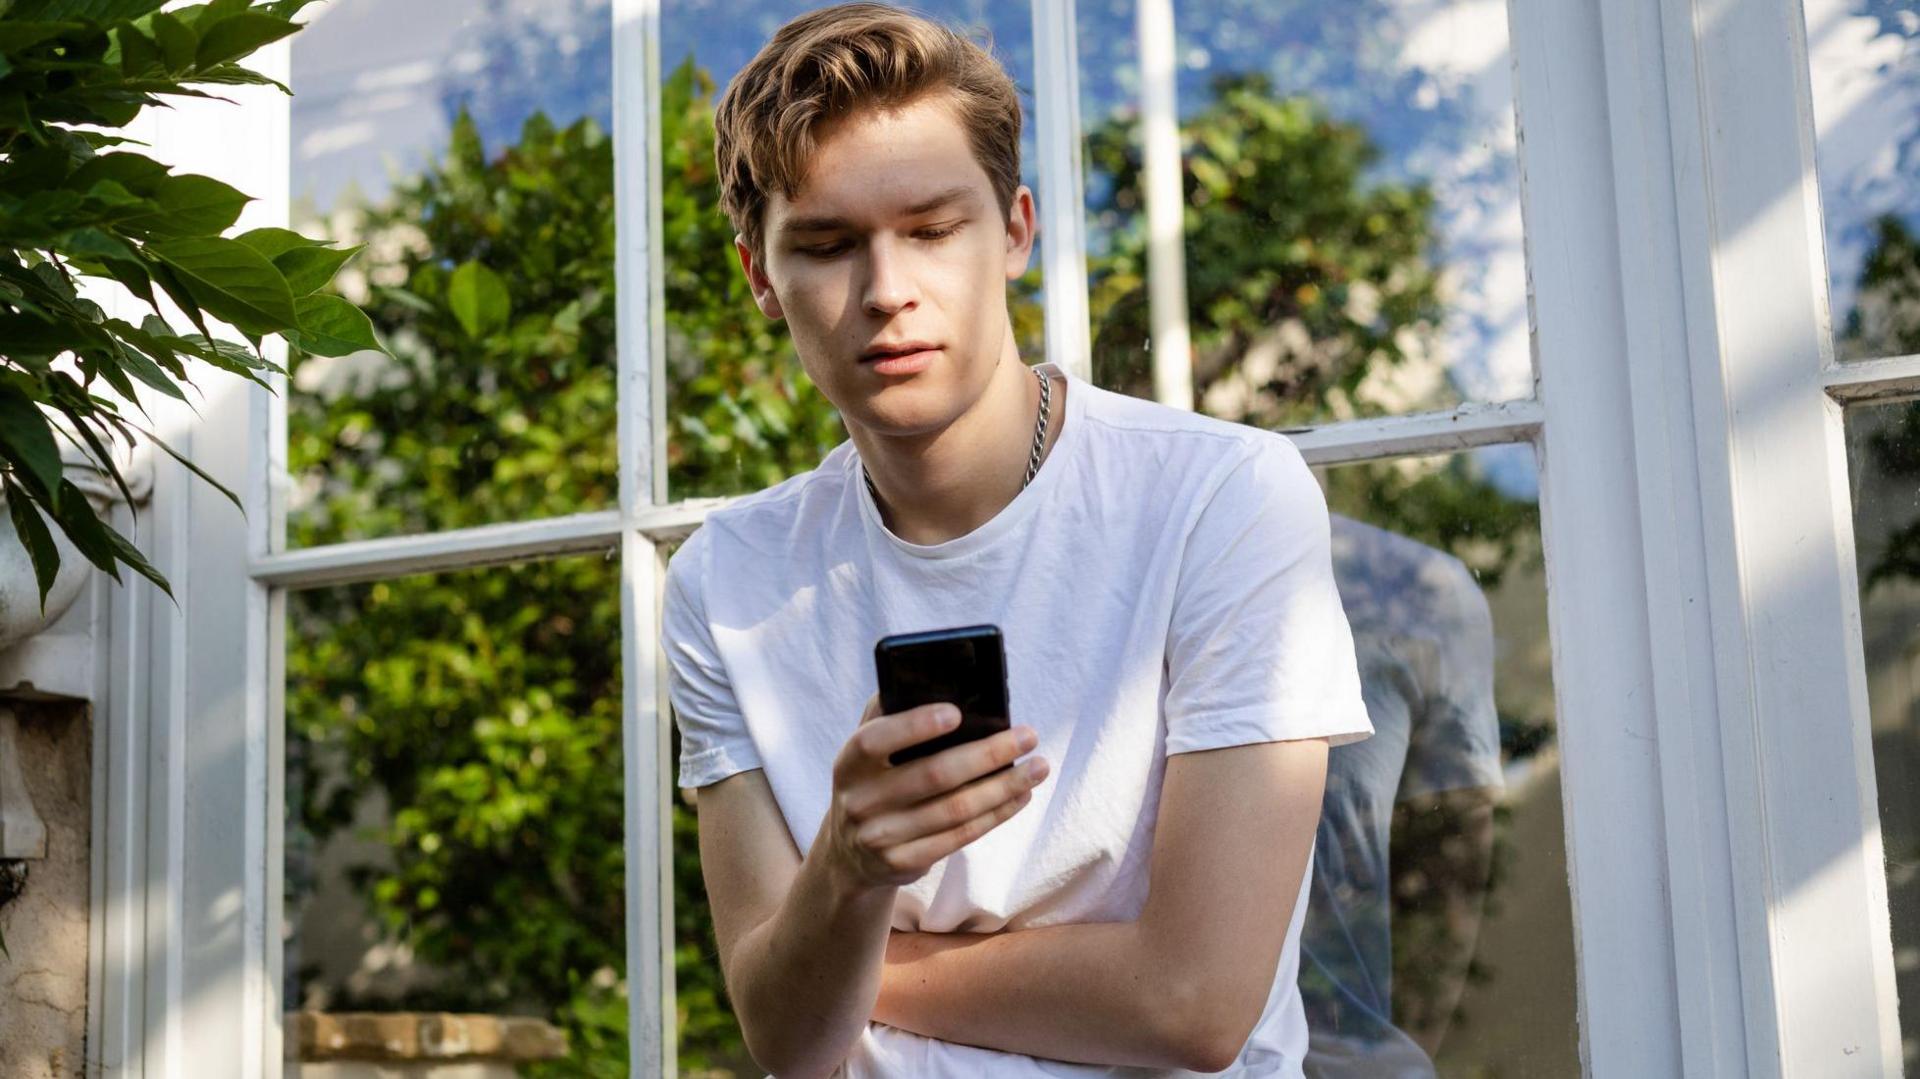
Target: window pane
pixel 454 832
pixel 1353 240
pixel 1883 459
pixel 1864 57
pixel 742 412
pixel 466 146
pixel 1440 929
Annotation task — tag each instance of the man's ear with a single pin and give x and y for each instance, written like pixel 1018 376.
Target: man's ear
pixel 1020 232
pixel 763 295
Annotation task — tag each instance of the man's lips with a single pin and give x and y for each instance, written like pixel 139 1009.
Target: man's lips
pixel 904 348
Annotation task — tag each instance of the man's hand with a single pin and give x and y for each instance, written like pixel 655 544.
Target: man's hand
pixel 887 825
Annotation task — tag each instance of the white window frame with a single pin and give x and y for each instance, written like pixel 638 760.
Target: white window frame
pixel 1723 850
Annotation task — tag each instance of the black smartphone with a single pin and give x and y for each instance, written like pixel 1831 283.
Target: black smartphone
pixel 965 665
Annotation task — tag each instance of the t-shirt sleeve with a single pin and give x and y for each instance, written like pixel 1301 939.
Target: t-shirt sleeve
pixel 1259 649
pixel 1454 742
pixel 714 742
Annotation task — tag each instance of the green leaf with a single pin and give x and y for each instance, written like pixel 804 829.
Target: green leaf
pixel 97 10
pixel 309 268
pixel 232 281
pixel 26 432
pixel 177 41
pixel 272 242
pixel 176 289
pixel 479 299
pixel 190 205
pixel 20 31
pixel 124 550
pixel 330 326
pixel 139 54
pixel 85 529
pixel 33 533
pixel 135 172
pixel 93 243
pixel 132 276
pixel 239 35
pixel 149 372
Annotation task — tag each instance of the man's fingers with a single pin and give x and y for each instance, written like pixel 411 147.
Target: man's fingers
pixel 937 815
pixel 872 711
pixel 887 735
pixel 930 777
pixel 920 854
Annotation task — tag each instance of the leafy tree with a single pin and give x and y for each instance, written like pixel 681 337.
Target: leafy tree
pixel 484 706
pixel 1311 291
pixel 1885 321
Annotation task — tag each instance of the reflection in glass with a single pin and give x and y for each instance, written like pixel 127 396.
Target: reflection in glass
pixel 742 412
pixel 1883 460
pixel 1864 61
pixel 1353 234
pixel 454 830
pixel 1439 934
pixel 465 145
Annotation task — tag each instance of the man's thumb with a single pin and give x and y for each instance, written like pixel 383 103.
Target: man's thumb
pixel 873 709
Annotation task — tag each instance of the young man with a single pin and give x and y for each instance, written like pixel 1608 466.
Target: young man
pixel 1129 899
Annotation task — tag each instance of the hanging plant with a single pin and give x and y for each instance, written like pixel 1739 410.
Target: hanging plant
pixel 76 203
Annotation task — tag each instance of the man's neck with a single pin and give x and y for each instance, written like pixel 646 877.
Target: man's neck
pixel 942 487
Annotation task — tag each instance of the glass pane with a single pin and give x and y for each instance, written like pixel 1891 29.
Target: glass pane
pixel 1353 240
pixel 1864 57
pixel 466 146
pixel 454 832
pixel 1883 459
pixel 742 412
pixel 1439 936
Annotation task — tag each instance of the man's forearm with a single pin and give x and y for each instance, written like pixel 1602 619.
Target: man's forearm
pixel 805 981
pixel 1083 992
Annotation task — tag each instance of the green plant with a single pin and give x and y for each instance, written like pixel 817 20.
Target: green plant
pixel 74 204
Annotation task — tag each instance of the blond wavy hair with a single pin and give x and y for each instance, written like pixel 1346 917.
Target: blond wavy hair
pixel 823 66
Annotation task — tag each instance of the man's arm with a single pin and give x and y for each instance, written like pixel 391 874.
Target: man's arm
pixel 800 956
pixel 1181 987
pixel 1444 842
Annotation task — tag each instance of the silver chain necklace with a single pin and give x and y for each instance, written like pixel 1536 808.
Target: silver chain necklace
pixel 1039 436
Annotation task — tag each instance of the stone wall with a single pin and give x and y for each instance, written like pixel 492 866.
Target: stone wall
pixel 43 976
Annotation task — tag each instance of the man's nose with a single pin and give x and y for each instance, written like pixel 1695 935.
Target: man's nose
pixel 889 280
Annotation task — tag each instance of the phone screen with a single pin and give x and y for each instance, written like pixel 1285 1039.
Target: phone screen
pixel 965 665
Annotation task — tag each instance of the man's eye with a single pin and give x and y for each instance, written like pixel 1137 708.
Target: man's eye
pixel 936 234
pixel 823 252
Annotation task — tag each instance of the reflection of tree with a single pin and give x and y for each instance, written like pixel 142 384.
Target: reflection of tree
pixel 484 705
pixel 1301 281
pixel 1885 321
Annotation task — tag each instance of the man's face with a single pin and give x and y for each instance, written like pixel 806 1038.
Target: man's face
pixel 894 238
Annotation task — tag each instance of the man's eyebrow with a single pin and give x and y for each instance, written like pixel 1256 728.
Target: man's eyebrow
pixel 828 223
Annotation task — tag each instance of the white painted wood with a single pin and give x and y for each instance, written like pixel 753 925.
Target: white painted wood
pixel 1461 428
pixel 1169 339
pixel 1597 608
pixel 1873 380
pixel 1063 193
pixel 1814 944
pixel 652 1022
pixel 428 552
pixel 1708 914
pixel 209 1010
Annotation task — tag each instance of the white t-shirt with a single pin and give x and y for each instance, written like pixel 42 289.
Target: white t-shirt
pixel 1163 585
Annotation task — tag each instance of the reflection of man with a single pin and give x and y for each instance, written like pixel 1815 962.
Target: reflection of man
pixel 1425 782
